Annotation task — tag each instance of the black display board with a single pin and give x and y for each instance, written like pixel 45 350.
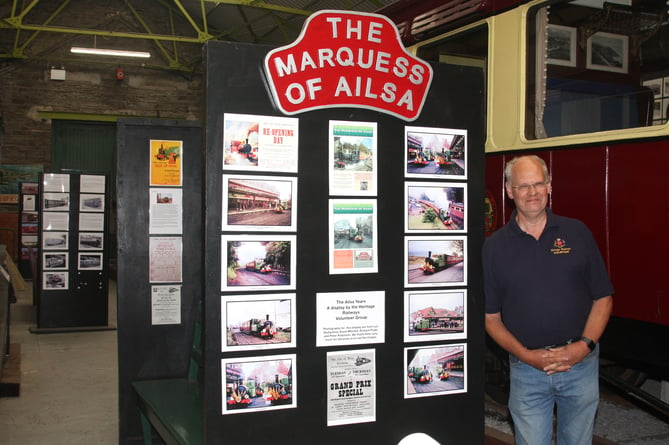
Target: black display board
pixel 73 276
pixel 28 228
pixel 147 350
pixel 234 84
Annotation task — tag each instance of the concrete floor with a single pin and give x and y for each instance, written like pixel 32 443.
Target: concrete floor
pixel 69 383
pixel 69 392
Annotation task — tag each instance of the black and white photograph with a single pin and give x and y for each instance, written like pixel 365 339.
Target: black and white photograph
pixel 56 202
pixel 90 261
pixel 54 240
pixel 54 260
pixel 608 52
pixel 561 45
pixel 259 203
pixel 55 280
pixel 91 241
pixel 255 322
pixel 89 202
pixel 435 207
pixel 258 384
pixel 435 370
pixel 435 261
pixel 435 315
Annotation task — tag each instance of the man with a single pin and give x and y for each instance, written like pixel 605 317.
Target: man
pixel 548 300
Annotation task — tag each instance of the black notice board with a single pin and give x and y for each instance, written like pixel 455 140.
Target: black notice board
pixel 234 84
pixel 147 351
pixel 73 297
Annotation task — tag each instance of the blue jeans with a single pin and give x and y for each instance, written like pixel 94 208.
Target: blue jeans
pixel 534 394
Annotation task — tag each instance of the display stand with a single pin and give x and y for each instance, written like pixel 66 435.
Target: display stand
pixel 29 227
pixel 73 262
pixel 235 85
pixel 155 328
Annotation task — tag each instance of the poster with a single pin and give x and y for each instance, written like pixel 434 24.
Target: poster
pixel 166 160
pixel 350 318
pixel 165 211
pixel 92 183
pixel 165 259
pixel 351 387
pixel 260 143
pixel 166 304
pixel 353 236
pixel 353 158
pixel 56 182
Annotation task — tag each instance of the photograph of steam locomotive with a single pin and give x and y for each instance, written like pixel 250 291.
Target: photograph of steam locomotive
pixel 435 261
pixel 257 203
pixel 435 370
pixel 256 262
pixel 435 315
pixel 436 153
pixel 251 322
pixel 435 207
pixel 257 384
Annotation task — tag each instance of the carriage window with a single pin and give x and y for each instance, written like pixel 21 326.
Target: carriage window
pixel 469 48
pixel 597 66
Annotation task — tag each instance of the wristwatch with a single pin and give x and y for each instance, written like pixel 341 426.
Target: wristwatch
pixel 590 343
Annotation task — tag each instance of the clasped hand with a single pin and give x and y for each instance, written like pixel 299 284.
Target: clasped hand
pixel 559 359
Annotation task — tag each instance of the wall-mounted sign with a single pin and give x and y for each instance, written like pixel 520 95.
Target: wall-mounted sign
pixel 348 59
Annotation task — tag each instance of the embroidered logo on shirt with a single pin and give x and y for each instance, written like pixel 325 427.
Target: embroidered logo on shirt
pixel 560 247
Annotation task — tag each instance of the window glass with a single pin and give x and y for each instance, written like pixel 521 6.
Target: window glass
pixel 596 66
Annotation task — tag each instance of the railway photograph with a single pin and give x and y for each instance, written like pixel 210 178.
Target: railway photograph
pixel 259 203
pixel 436 152
pixel 435 315
pixel 240 145
pixel 436 370
pixel 259 384
pixel 435 207
pixel 435 261
pixel 258 322
pixel 258 263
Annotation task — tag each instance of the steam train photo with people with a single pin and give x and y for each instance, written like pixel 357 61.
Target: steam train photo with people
pixel 585 86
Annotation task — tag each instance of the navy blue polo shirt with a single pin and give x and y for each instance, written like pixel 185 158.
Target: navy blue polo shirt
pixel 544 288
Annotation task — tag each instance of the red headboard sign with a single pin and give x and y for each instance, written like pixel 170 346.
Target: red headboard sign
pixel 348 59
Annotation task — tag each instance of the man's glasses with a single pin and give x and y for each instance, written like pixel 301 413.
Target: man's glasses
pixel 525 188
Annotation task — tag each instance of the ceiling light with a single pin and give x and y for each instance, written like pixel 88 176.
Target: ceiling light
pixel 110 52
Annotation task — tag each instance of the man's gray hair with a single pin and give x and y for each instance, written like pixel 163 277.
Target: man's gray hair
pixel 535 158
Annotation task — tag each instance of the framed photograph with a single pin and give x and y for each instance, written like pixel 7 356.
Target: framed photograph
pixel 257 384
pixel 439 153
pixel 54 260
pixel 92 183
pixel 259 203
pixel 255 262
pixel 92 221
pixel 254 322
pixel 435 315
pixel 561 45
pixel 89 202
pixel 91 240
pixel 608 52
pixel 55 281
pixel 435 207
pixel 90 261
pixel 435 261
pixel 54 240
pixel 56 182
pixel 656 86
pixel 55 221
pixel 435 370
pixel 56 202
